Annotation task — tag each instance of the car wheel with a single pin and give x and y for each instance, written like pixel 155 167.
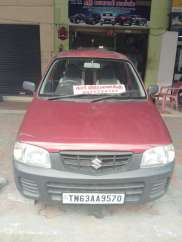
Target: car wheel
pixel 180 97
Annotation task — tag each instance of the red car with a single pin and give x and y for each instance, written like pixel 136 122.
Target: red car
pixel 92 135
pixel 123 19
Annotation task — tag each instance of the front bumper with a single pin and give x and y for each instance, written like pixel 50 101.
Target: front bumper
pixel 107 21
pixel 139 186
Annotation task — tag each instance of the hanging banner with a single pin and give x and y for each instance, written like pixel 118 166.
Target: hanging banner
pixel 109 12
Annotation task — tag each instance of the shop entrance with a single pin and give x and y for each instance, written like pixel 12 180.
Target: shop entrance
pixel 134 45
pixel 89 40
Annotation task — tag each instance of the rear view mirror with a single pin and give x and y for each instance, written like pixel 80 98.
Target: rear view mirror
pixel 152 90
pixel 29 86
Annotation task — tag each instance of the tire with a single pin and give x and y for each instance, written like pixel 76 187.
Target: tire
pixel 77 21
pixel 129 22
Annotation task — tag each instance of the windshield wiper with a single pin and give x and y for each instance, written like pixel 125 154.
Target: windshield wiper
pixel 107 97
pixel 67 96
pixel 128 95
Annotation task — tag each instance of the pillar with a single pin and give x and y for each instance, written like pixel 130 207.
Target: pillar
pixel 159 19
pixel 60 19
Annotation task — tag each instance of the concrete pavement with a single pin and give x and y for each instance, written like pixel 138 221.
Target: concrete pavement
pixel 22 220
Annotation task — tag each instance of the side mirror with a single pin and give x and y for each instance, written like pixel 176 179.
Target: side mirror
pixel 152 90
pixel 29 86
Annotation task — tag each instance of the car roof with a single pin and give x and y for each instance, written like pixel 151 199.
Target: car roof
pixel 91 53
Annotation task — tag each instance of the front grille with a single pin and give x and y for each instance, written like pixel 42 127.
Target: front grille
pixel 132 191
pixel 105 162
pixel 29 187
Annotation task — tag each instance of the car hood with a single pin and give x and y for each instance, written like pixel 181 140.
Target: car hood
pixel 68 125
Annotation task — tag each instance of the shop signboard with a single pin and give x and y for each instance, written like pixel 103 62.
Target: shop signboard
pixel 177 4
pixel 176 16
pixel 109 12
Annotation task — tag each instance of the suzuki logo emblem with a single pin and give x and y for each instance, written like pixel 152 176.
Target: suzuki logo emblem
pixel 96 163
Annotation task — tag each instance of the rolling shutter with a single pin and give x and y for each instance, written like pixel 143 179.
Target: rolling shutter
pixel 19 57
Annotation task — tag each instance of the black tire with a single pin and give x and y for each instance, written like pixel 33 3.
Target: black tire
pixel 130 22
pixel 180 97
pixel 77 20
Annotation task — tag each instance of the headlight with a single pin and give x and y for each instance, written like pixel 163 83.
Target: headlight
pixel 31 155
pixel 158 156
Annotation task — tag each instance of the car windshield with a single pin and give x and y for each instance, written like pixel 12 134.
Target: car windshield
pixel 90 78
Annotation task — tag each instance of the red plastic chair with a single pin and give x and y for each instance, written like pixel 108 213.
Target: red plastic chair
pixel 162 94
pixel 174 97
pixel 171 93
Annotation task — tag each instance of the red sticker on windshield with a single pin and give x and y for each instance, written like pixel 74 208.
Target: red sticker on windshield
pixel 99 89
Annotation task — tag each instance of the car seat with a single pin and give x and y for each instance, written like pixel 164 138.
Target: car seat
pixel 107 77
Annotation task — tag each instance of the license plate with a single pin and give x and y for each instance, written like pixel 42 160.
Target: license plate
pixel 92 198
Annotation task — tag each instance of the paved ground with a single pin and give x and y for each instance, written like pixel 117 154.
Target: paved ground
pixel 21 220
